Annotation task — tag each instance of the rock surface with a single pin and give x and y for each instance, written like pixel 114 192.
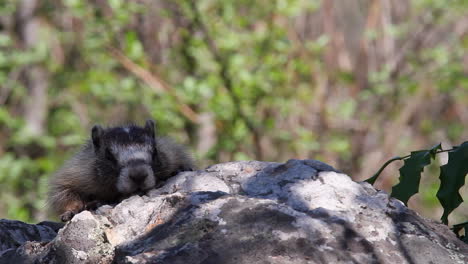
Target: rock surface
pixel 302 211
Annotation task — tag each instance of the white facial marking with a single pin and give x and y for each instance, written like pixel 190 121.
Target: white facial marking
pixel 140 155
pixel 126 129
pixel 125 154
pixel 127 185
pixel 132 152
pixel 124 184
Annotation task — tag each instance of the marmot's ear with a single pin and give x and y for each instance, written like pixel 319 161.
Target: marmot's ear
pixel 96 133
pixel 150 127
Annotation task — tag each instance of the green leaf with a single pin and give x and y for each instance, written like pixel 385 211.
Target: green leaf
pixel 410 175
pixel 452 178
pixel 432 151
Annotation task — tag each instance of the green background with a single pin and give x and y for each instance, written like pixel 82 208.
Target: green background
pixel 351 83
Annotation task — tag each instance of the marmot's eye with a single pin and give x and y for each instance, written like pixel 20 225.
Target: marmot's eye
pixel 109 156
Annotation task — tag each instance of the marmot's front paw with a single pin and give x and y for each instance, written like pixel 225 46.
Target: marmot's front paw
pixel 67 216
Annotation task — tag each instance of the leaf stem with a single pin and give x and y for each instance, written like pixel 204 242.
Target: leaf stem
pixel 372 179
pixel 445 150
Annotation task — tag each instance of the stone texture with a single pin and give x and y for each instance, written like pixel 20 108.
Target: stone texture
pixel 302 211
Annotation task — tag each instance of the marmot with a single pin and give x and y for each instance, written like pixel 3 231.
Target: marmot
pixel 115 163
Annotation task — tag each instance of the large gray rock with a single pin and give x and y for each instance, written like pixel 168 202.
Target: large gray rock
pixel 246 212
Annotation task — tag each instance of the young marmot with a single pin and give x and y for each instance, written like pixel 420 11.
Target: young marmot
pixel 115 163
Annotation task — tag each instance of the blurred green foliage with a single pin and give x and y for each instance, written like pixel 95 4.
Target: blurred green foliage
pixel 350 83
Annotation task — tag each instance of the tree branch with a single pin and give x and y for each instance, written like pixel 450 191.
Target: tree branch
pixel 154 82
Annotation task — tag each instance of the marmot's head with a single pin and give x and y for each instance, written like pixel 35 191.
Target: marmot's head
pixel 126 154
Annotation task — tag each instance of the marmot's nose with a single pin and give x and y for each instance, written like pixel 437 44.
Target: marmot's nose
pixel 138 174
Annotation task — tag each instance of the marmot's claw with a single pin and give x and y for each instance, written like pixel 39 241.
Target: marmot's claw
pixel 67 216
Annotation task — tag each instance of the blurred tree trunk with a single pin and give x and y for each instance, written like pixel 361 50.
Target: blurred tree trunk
pixel 36 78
